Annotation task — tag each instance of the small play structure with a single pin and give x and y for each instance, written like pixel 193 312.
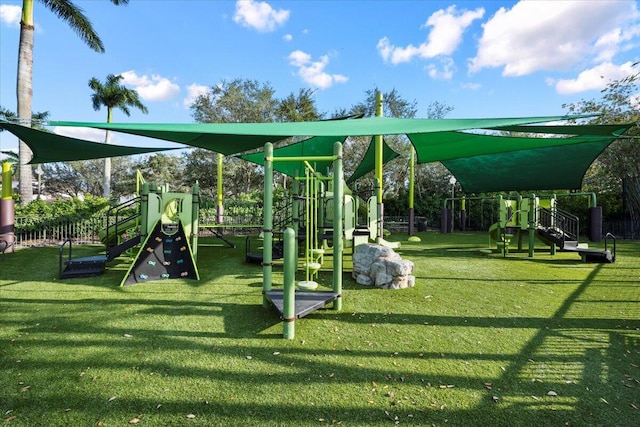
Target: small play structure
pixel 163 226
pixel 291 303
pixel 533 218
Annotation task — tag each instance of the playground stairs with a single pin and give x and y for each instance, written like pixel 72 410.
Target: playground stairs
pixel 114 251
pixel 564 234
pixel 557 237
pixel 79 267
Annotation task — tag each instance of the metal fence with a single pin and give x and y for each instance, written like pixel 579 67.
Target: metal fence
pixel 622 229
pixel 51 232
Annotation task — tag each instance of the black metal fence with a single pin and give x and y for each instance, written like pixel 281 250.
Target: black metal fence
pixel 622 229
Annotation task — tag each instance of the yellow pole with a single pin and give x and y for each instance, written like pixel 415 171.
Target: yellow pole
pixel 378 170
pixel 220 207
pixel 7 209
pixel 378 147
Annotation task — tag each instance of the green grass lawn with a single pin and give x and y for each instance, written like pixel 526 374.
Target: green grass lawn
pixel 481 340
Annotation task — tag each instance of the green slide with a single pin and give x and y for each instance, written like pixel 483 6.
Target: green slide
pixel 116 230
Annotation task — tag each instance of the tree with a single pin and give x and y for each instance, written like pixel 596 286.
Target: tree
pixel 395 172
pixel 113 95
pixel 619 164
pixel 238 101
pixel 162 169
pixel 298 108
pixel 73 15
pixel 394 105
pixel 84 177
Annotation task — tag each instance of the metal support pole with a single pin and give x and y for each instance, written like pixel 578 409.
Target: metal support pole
pixel 532 223
pixel 289 292
pixel 412 161
pixel 220 206
pixel 267 229
pixel 195 208
pixel 338 238
pixel 378 167
pixel 7 209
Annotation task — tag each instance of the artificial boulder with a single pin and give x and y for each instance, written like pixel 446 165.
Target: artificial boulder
pixel 377 265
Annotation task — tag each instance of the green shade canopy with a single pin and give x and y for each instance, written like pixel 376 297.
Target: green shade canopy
pixel 50 147
pixel 547 168
pixel 480 161
pixel 440 146
pixel 317 146
pixel 368 162
pixel 234 138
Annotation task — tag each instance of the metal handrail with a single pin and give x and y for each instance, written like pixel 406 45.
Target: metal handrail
pixel 606 239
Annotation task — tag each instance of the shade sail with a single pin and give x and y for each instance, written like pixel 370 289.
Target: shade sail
pixel 602 130
pixel 547 168
pixel 481 162
pixel 234 138
pixel 317 146
pixel 368 162
pixel 442 146
pixel 50 147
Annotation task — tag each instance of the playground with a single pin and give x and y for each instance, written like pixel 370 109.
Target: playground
pixel 523 323
pixel 480 340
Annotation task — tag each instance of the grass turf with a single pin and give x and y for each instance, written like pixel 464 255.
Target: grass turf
pixel 480 340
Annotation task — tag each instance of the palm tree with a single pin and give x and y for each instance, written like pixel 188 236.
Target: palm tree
pixel 113 95
pixel 73 15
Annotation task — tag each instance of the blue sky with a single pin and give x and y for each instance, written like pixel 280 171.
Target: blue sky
pixel 484 58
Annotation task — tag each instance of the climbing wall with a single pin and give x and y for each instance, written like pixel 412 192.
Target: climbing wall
pixel 164 255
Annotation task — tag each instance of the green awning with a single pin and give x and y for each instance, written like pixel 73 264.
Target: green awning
pixel 480 161
pixel 440 146
pixel 49 147
pixel 317 146
pixel 234 138
pixel 368 162
pixel 547 168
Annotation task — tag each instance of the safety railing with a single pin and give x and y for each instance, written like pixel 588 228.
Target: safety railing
pixel 31 231
pixel 564 222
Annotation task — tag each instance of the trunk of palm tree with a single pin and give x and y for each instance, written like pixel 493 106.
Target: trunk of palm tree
pixel 106 182
pixel 106 179
pixel 24 92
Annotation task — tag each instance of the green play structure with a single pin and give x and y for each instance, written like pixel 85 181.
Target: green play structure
pixel 294 304
pixel 163 225
pixel 531 219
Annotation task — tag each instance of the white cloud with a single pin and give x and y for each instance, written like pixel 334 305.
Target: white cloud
pixel 313 72
pixel 539 35
pixel 153 88
pixel 447 27
pixel 445 72
pixel 595 78
pixel 259 15
pixel 10 14
pixel 471 86
pixel 287 37
pixel 193 91
pixel 87 134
